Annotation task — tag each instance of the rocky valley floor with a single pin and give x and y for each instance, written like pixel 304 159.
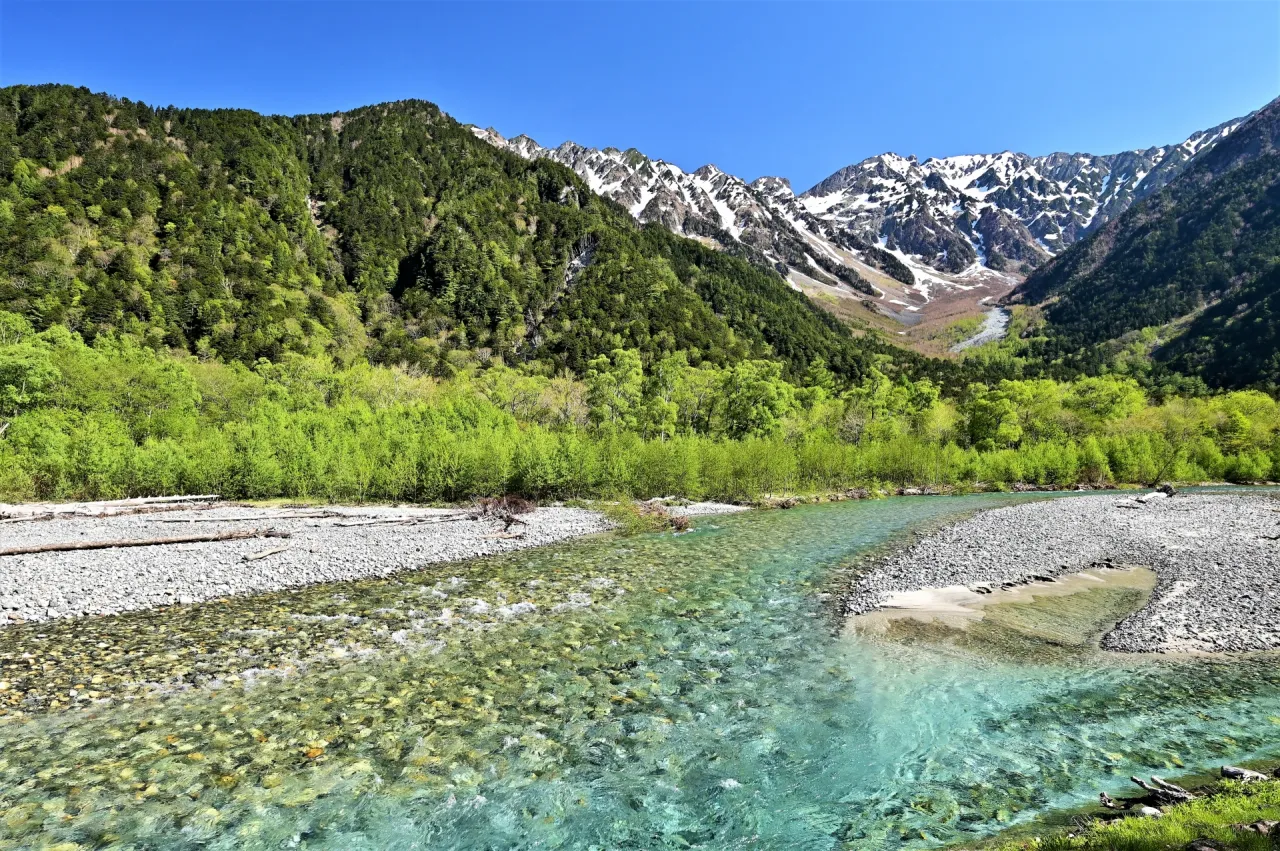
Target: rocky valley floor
pixel 262 549
pixel 1216 558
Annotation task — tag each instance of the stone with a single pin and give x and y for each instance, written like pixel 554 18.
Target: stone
pixel 1265 827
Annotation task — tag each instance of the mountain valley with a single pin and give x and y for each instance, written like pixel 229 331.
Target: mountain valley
pixel 894 243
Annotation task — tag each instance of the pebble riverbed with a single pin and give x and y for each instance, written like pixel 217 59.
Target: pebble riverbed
pixel 43 586
pixel 1215 555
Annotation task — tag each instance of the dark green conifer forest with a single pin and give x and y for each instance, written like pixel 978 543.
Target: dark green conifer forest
pixel 1197 264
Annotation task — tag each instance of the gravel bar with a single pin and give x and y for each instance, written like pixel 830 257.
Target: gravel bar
pixel 319 549
pixel 1215 556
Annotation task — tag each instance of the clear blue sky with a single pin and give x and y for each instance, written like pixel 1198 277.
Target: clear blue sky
pixel 794 90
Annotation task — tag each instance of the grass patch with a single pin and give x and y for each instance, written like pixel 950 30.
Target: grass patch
pixel 634 518
pixel 1215 818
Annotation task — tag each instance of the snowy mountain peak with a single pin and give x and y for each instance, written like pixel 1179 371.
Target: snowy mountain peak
pixel 950 212
pixel 890 223
pixel 777 188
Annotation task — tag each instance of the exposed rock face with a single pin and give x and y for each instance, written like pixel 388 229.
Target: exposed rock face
pixel 762 220
pixel 888 212
pixel 1030 208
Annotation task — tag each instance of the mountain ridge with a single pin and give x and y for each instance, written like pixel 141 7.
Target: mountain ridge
pixel 1194 263
pixel 944 223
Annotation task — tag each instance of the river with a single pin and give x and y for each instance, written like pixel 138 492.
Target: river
pixel 653 692
pixel 995 325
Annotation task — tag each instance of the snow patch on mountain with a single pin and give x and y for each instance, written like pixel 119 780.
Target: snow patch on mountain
pixel 891 223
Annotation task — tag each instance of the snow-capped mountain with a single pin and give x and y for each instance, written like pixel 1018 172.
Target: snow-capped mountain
pixel 763 220
pixel 994 208
pixel 891 228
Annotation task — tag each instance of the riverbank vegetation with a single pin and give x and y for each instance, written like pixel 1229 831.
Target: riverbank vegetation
pixel 118 418
pixel 1226 819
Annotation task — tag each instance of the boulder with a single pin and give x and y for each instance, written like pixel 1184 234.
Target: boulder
pixel 1265 827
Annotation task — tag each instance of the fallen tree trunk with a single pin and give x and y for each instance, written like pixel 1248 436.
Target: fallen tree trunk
pixel 108 508
pixel 407 520
pixel 145 542
pixel 308 515
pixel 102 515
pixel 1164 793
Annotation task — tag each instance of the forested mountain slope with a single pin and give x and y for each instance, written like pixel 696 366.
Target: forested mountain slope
pixel 388 232
pixel 1204 253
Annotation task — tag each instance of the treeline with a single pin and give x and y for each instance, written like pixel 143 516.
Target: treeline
pixel 116 418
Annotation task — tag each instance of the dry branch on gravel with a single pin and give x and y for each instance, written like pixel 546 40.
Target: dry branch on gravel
pixel 283 515
pixel 145 542
pixel 265 553
pixel 504 508
pixel 406 520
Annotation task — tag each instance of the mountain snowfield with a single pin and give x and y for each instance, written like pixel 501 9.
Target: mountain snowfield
pixel 898 233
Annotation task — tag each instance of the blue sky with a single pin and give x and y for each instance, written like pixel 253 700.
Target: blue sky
pixel 792 89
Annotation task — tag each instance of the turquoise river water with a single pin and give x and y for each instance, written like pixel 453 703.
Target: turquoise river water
pixel 691 691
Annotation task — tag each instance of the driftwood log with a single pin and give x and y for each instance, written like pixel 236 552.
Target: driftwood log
pixel 1163 793
pixel 109 508
pixel 279 515
pixel 145 542
pixel 1248 775
pixel 406 520
pixel 505 509
pixel 1160 793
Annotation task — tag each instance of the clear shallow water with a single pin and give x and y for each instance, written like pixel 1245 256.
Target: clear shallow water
pixel 667 692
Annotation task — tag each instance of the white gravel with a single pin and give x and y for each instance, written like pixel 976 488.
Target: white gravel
pixel 1218 567
pixel 43 586
pixel 702 509
pixel 49 585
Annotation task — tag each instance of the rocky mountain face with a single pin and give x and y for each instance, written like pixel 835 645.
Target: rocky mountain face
pixel 762 221
pixel 937 224
pixel 995 209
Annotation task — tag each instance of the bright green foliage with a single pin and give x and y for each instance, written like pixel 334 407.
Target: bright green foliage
pixel 1209 818
pixel 26 373
pixel 756 399
pixel 880 409
pixel 1105 398
pixel 614 386
pixel 992 418
pixel 115 418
